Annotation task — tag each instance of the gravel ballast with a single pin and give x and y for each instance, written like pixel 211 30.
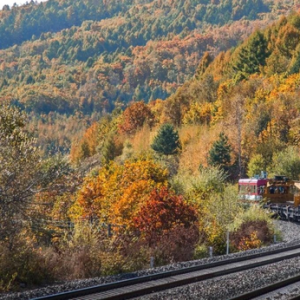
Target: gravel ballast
pixel 225 287
pixel 290 231
pixel 236 284
pixel 220 288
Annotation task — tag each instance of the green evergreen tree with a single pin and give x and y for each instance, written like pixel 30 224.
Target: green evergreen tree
pixel 85 150
pixel 295 64
pixel 167 141
pixel 251 56
pixel 109 150
pixel 219 154
pixel 30 80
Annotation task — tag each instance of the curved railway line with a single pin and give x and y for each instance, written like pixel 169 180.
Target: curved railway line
pixel 144 285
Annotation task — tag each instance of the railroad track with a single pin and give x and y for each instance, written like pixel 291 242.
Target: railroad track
pixel 266 291
pixel 285 211
pixel 140 286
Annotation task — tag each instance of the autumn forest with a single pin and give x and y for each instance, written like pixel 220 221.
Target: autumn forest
pixel 125 125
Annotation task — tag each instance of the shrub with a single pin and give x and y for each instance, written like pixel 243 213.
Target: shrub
pixel 22 265
pixel 134 251
pixel 249 242
pixel 210 180
pixel 176 245
pixel 216 237
pixel 251 234
pixel 88 252
pixel 201 251
pixel 253 213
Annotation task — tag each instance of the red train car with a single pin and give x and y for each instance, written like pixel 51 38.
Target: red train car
pixel 252 189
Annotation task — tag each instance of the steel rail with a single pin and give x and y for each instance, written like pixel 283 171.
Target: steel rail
pixel 166 280
pixel 295 298
pixel 268 289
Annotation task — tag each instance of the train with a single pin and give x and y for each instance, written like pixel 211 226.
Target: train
pixel 280 194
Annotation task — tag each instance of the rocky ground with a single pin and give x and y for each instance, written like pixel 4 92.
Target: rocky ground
pixel 221 288
pixel 290 231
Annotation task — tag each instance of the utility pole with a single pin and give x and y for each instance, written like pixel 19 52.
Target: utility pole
pixel 227 242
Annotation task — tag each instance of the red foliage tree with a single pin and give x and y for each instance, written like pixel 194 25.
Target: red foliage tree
pixel 164 212
pixel 135 116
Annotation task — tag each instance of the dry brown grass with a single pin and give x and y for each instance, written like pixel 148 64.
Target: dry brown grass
pixel 196 140
pixel 142 140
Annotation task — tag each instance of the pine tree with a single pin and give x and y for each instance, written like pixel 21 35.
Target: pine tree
pixel 167 141
pixel 85 150
pixel 109 149
pixel 295 68
pixel 219 154
pixel 251 56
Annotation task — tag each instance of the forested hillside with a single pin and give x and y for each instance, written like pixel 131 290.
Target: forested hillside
pixel 30 21
pixel 87 58
pixel 251 93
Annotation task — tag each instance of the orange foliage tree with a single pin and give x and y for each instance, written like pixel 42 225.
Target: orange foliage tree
pixel 117 193
pixel 135 116
pixel 87 145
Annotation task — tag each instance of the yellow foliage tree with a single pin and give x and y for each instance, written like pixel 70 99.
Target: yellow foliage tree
pixel 199 113
pixel 117 193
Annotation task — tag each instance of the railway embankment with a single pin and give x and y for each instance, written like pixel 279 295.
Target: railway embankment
pixel 220 288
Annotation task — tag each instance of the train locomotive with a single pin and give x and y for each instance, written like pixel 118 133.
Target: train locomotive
pixel 280 195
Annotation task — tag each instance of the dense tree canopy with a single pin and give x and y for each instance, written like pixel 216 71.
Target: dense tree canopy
pixel 67 59
pixel 32 20
pixel 130 184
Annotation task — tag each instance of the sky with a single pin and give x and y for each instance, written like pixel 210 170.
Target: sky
pixel 11 2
